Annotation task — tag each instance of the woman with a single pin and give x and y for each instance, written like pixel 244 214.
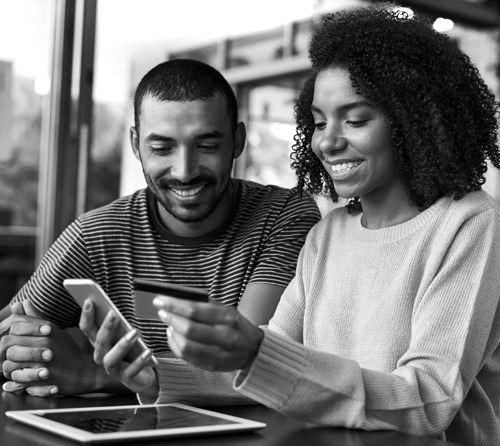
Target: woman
pixel 392 320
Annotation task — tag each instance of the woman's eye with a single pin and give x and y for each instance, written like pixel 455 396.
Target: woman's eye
pixel 357 123
pixel 319 125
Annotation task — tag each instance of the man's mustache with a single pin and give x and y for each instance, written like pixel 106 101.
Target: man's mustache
pixel 173 182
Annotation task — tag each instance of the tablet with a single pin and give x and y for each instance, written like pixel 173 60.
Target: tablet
pixel 127 423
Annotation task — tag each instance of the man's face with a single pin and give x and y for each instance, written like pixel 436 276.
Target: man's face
pixel 187 151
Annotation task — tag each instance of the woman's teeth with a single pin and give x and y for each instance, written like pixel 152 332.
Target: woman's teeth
pixel 344 167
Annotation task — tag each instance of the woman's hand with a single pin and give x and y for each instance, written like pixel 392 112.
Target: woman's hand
pixel 211 336
pixel 137 376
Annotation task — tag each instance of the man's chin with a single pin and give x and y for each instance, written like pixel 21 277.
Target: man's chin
pixel 193 215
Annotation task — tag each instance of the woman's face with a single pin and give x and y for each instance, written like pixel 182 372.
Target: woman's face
pixel 352 140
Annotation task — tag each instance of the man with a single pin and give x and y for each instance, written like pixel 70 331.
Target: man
pixel 193 225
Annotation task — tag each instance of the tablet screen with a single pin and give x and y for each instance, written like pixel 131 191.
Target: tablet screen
pixel 135 419
pixel 103 424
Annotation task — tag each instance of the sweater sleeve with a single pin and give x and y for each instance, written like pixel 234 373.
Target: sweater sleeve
pixel 181 382
pixel 454 330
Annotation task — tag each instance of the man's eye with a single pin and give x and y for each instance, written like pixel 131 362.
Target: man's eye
pixel 160 149
pixel 208 146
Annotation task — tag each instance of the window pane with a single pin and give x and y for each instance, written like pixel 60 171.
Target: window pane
pixel 25 55
pixel 256 48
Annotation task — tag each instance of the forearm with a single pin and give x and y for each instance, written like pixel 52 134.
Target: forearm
pixel 329 390
pixel 181 382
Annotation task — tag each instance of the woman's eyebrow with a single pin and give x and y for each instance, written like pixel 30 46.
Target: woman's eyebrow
pixel 347 107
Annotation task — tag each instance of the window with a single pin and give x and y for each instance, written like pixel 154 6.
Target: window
pixel 25 59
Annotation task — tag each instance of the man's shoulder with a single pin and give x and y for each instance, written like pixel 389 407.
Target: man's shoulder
pixel 274 197
pixel 125 208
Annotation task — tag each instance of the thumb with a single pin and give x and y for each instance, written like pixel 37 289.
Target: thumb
pixel 30 310
pixel 17 308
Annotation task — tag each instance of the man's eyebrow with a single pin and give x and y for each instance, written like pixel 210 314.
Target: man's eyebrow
pixel 208 135
pixel 157 137
pixel 346 107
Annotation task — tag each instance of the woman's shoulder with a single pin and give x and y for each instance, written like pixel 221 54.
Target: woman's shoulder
pixel 472 204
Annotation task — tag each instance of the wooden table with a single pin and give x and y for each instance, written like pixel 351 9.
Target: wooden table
pixel 280 431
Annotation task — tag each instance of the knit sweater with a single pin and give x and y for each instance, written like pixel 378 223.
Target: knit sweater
pixel 396 328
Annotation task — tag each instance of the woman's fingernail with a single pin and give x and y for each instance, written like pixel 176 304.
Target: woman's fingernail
pixel 132 335
pixel 157 301
pixel 163 314
pixel 43 374
pixel 47 355
pixel 146 354
pixel 54 390
pixel 86 305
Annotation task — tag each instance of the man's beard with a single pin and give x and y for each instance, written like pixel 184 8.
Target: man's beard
pixel 190 213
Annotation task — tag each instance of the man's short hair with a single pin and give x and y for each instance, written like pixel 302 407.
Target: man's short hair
pixel 184 80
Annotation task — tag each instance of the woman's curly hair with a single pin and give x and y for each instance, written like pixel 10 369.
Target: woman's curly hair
pixel 442 117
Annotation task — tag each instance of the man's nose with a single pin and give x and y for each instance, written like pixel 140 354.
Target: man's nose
pixel 185 166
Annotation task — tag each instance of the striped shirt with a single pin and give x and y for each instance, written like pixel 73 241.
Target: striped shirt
pixel 258 243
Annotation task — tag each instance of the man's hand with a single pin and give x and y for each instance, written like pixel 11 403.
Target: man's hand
pixel 43 359
pixel 208 335
pixel 137 376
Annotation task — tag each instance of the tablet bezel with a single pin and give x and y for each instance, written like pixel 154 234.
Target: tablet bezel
pixel 33 418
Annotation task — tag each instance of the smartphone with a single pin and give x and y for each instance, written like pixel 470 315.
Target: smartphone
pixel 81 289
pixel 147 290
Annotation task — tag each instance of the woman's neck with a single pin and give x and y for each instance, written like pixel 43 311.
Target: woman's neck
pixel 388 211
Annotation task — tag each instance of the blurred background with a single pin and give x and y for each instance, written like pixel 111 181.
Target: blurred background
pixel 68 70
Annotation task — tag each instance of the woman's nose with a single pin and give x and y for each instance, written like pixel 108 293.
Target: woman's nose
pixel 332 140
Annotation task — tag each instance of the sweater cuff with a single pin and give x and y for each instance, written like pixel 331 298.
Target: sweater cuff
pixel 278 368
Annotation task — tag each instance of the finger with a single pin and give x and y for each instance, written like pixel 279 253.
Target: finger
pixel 136 366
pixel 87 321
pixel 42 391
pixel 223 335
pixel 8 367
pixel 20 353
pixel 30 327
pixel 104 337
pixel 113 360
pixel 11 386
pixel 30 375
pixel 208 357
pixel 9 342
pixel 208 313
pixel 30 310
pixel 17 308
